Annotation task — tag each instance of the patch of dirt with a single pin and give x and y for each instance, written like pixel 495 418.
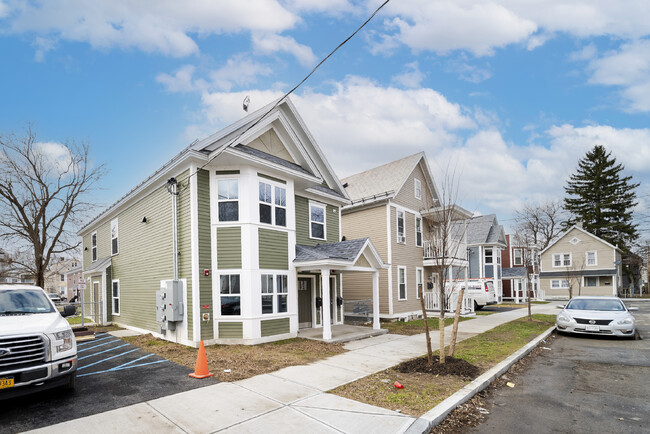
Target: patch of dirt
pixel 243 361
pixel 478 409
pixel 452 366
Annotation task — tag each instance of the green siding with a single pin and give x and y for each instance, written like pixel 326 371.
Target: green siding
pixel 205 252
pixel 109 294
pixel 272 327
pixel 273 249
pixel 302 223
pixel 232 330
pixel 185 246
pixel 229 248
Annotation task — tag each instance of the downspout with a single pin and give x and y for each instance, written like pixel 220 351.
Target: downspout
pixel 172 186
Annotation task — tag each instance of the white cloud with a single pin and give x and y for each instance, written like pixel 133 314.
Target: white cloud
pixel 55 154
pixel 43 45
pixel 4 9
pixel 272 43
pixel 411 77
pixel 331 7
pixel 181 81
pixel 163 26
pixel 238 70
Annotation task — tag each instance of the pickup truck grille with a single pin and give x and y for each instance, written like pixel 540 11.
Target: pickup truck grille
pixel 24 352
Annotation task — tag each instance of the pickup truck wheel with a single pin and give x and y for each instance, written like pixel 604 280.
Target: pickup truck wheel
pixel 476 306
pixel 72 383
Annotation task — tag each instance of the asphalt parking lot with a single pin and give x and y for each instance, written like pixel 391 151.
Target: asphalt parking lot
pixel 111 374
pixel 580 384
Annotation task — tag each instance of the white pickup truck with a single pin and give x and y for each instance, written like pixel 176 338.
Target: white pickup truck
pixel 37 347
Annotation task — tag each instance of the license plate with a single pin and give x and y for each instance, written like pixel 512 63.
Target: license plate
pixel 592 328
pixel 6 382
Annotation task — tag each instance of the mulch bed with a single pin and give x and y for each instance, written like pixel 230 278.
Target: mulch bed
pixel 452 366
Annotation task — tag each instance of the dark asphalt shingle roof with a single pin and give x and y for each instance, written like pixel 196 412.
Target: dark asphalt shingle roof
pixel 344 250
pixel 484 230
pixel 327 190
pixel 271 158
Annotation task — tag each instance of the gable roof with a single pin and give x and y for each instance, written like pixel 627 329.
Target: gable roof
pixel 565 233
pixel 387 180
pixel 485 229
pixel 344 253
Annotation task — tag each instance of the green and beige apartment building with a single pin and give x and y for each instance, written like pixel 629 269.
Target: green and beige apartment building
pixel 247 224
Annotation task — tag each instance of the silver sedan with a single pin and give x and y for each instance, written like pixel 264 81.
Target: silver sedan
pixel 596 315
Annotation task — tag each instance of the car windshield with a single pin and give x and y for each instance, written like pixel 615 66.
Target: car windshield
pixel 596 304
pixel 24 301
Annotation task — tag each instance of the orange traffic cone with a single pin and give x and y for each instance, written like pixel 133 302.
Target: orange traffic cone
pixel 201 370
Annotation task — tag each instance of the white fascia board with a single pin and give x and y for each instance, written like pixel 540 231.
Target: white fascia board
pixel 337 199
pixel 145 187
pixel 362 203
pixel 375 255
pixel 271 165
pixel 322 263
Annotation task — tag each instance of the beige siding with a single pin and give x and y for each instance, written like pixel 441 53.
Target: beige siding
pixel 358 286
pixel 604 288
pixel 605 255
pixel 409 256
pixel 273 249
pixel 406 196
pixel 229 248
pixel 275 326
pixel 205 252
pixel 302 223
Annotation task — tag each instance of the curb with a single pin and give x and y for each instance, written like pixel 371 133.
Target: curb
pixel 438 413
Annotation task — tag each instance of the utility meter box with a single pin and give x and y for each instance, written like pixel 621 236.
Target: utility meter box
pixel 169 304
pixel 161 314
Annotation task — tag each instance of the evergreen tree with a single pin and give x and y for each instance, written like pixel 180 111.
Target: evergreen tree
pixel 602 199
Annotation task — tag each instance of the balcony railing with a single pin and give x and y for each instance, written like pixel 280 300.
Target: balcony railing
pixel 455 250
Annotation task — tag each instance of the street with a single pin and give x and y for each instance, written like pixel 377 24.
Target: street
pixel 583 384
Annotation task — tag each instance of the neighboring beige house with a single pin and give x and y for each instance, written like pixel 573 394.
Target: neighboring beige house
pixel 581 261
pixel 55 277
pixel 72 278
pixel 391 205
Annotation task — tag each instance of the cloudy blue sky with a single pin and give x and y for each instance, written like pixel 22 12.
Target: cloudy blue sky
pixel 511 93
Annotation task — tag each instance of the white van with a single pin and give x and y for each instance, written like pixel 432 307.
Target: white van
pixel 37 347
pixel 482 291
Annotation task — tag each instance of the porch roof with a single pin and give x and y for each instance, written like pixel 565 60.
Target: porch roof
pixel 98 266
pixel 339 255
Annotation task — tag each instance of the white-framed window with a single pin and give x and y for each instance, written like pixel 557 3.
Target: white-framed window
pixel 561 259
pixel 114 244
pixel 317 221
pixel 419 281
pixel 401 283
pixel 517 257
pixel 418 231
pixel 401 233
pixel 228 200
pixel 590 281
pixel 559 284
pixel 62 277
pixel 418 188
pixel 93 246
pixel 115 296
pixel 592 257
pixel 488 256
pixel 273 204
pixel 230 294
pixel 274 296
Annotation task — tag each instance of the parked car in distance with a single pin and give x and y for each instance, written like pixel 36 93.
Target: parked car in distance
pixel 56 298
pixel 37 347
pixel 482 291
pixel 607 316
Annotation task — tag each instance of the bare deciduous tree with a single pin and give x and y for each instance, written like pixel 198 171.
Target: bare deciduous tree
pixel 538 225
pixel 42 186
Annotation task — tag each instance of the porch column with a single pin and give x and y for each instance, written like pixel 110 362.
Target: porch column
pixel 375 300
pixel 614 283
pixel 326 309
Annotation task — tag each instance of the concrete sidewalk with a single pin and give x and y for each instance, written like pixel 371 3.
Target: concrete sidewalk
pixel 292 399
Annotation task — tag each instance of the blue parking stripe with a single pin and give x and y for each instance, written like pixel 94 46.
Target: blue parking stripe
pixel 122 369
pixel 108 358
pixel 93 341
pixel 133 361
pixel 97 346
pixel 105 351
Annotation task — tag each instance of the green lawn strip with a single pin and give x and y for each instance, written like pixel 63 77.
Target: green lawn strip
pixel 415 327
pixel 77 320
pixel 424 391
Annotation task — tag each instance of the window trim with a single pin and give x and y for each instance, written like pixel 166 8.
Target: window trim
pixel 584 281
pixel 229 294
pixel 116 238
pixel 562 264
pixel 324 223
pixel 560 284
pixel 418 219
pixel 219 201
pixel 514 256
pixel 399 269
pixel 401 240
pixel 93 246
pixel 595 264
pixel 118 298
pixel 275 293
pixel 417 188
pixel 419 280
pixel 491 250
pixel 273 204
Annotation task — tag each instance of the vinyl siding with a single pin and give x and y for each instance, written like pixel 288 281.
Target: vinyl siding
pixel 231 330
pixel 185 247
pixel 229 248
pixel 302 223
pixel 406 196
pixel 103 243
pixel 405 255
pixel 275 326
pixel 605 255
pixel 205 252
pixel 109 294
pixel 273 249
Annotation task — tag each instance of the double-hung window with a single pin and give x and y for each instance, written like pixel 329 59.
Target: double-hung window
pixel 559 284
pixel 116 297
pixel 273 204
pixel 592 258
pixel 274 297
pixel 419 282
pixel 317 221
pixel 418 188
pixel 401 282
pixel 230 294
pixel 489 258
pixel 401 234
pixel 517 257
pixel 114 244
pixel 228 200
pixel 591 281
pixel 93 246
pixel 418 231
pixel 562 259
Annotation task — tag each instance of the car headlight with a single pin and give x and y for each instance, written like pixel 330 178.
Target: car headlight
pixel 563 318
pixel 63 341
pixel 625 321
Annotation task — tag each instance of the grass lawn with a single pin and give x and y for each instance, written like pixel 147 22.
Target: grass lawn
pixel 415 327
pixel 522 304
pixel 424 391
pixel 244 361
pixel 76 320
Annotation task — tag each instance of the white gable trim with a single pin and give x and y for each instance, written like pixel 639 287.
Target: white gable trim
pixel 427 175
pixel 565 233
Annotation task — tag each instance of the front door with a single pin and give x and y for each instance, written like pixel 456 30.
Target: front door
pixel 304 302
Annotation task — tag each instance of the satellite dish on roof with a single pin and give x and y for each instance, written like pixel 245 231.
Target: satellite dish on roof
pixel 246 103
